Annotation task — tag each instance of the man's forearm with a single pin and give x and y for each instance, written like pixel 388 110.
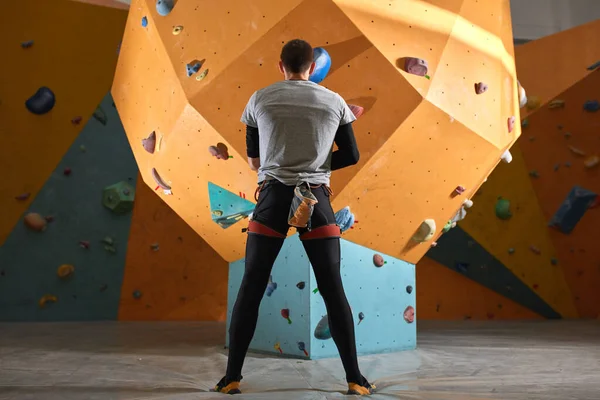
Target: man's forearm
pixel 347 153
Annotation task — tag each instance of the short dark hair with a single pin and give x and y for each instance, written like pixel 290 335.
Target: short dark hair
pixel 296 56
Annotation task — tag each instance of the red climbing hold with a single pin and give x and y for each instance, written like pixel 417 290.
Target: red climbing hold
pixel 23 196
pixel 67 171
pixel 149 143
pixel 285 313
pixel 76 120
pixel 416 66
pixel 511 124
pixel 220 151
pixel 84 244
pixel 459 189
pixel 356 110
pixel 409 314
pixel 481 88
pixel 378 260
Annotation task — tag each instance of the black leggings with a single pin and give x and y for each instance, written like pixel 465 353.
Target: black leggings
pixel 323 253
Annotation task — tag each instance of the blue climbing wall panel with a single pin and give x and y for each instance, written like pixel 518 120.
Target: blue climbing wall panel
pixel 380 294
pixel 226 207
pixel 29 260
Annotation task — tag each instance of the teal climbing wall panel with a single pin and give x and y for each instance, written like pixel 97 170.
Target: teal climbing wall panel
pixel 99 157
pixel 226 207
pixel 381 295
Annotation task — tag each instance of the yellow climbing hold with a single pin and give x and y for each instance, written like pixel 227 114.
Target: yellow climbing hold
pixel 202 75
pixel 591 162
pixel 47 299
pixel 533 102
pixel 65 271
pixel 177 29
pixel 425 232
pixel 217 213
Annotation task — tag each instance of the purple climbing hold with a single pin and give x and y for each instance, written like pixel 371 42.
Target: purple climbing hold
pixel 301 285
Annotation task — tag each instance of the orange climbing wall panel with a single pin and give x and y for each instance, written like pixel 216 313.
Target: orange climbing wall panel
pixel 445 294
pixel 122 5
pixel 76 59
pixel 553 131
pixel 527 227
pixel 548 66
pixel 184 280
pixel 420 137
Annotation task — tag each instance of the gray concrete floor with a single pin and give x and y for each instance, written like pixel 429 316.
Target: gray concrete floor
pixel 455 361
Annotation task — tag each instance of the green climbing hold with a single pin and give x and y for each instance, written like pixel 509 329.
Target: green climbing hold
pixel 503 209
pixel 525 123
pixel 100 115
pixel 315 290
pixel 447 227
pixel 119 197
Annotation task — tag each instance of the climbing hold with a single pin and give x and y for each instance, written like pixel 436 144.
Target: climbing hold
pixel 137 294
pixel 553 261
pixel 361 316
pixel 344 219
pixel 511 251
pixel 525 123
pixel 301 285
pixel 144 22
pixel 449 225
pixel 193 68
pixel 533 103
pixel 409 289
pixel 108 241
pixel 84 244
pixel 567 135
pixel 177 30
pixel 416 66
pixel 103 287
pixel 27 44
pixel 462 267
pixel 534 174
pixel 302 347
pixel 220 151
pixel 567 164
pixel 535 250
pixel 425 232
pixel 506 157
pixel 48 298
pixel 503 209
pixel 285 313
pixel 118 197
pixel 67 171
pixel 322 331
pixel 511 124
pixel 594 66
pixel 356 110
pixel 65 271
pixel 556 167
pixel 160 182
pixel 76 120
pixel 202 75
pixel 557 103
pixel 378 260
pixel 100 116
pixel 572 209
pixel 35 222
pixel 164 7
pixel 82 149
pixel 531 138
pixel 23 196
pixel 154 247
pixel 271 287
pixel 149 143
pixel 459 190
pixel 591 106
pixel 576 151
pixel 434 244
pixel 522 95
pixel 592 161
pixel 41 102
pixel 277 347
pixel 460 214
pixel 409 314
pixel 322 65
pixel 481 88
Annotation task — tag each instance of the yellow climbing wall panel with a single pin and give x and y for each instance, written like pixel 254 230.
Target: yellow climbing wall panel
pixel 550 65
pixel 413 154
pixel 527 227
pixel 75 59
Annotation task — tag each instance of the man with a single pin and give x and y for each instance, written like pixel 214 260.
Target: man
pixel 291 128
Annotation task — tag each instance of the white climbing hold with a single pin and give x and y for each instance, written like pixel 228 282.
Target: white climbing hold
pixel 522 95
pixel 425 232
pixel 506 157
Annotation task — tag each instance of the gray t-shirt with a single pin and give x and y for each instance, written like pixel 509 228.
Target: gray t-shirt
pixel 297 121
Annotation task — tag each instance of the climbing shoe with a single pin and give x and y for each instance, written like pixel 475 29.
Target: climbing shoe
pixel 360 389
pixel 228 386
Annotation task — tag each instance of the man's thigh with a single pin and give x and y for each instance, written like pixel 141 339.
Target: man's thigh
pixel 273 206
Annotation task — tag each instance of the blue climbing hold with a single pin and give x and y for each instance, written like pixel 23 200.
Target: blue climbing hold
pixel 591 105
pixel 191 69
pixel 27 44
pixel 594 66
pixel 462 267
pixel 322 65
pixel 344 218
pixel 271 287
pixel 572 209
pixel 164 7
pixel 41 102
pixel 144 22
pixel 227 208
pixel 322 331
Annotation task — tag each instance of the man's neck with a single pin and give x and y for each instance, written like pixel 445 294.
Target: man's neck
pixel 296 78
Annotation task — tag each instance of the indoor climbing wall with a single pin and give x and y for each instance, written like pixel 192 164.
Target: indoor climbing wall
pixel 64 260
pixel 452 63
pixel 293 318
pixel 528 235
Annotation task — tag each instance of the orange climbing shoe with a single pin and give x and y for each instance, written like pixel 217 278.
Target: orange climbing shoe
pixel 228 387
pixel 361 390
